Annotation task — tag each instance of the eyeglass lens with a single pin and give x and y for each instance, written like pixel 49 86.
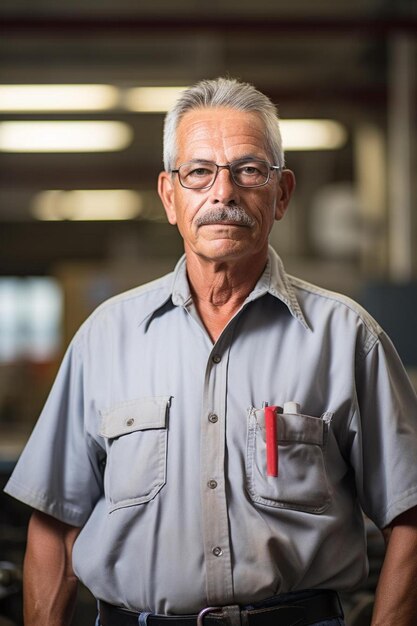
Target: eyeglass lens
pixel 200 174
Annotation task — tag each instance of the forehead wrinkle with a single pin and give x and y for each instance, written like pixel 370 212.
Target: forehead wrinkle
pixel 214 131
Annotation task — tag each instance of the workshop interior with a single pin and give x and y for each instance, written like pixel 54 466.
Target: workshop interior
pixel 84 87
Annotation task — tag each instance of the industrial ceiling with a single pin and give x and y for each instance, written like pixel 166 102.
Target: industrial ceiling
pixel 315 60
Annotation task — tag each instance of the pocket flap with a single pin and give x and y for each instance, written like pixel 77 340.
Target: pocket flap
pixel 139 414
pixel 301 428
pixel 298 427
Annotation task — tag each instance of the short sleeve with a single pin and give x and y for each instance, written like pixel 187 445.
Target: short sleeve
pixel 383 435
pixel 58 471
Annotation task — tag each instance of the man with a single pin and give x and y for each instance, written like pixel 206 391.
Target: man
pixel 154 469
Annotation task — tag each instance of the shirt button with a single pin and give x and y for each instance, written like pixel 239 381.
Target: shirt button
pixel 212 484
pixel 213 418
pixel 216 358
pixel 217 551
pixel 130 421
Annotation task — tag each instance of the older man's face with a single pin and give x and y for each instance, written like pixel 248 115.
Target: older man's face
pixel 222 136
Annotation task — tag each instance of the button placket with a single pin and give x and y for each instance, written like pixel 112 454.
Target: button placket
pixel 214 504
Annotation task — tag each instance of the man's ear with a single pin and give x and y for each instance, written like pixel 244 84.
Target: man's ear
pixel 286 187
pixel 166 193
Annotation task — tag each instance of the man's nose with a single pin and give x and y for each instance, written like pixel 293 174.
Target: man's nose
pixel 224 190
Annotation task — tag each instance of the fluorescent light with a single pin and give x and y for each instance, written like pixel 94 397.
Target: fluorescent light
pixel 47 98
pixel 312 134
pixel 87 204
pixel 19 98
pixel 152 99
pixel 26 136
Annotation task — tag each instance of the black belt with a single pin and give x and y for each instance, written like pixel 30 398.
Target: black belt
pixel 318 607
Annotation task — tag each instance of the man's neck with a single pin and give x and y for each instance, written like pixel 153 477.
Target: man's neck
pixel 219 288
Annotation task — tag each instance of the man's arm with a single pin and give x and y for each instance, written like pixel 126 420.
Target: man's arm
pixel 396 598
pixel 49 582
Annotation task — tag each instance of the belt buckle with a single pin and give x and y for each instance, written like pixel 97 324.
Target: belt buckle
pixel 203 613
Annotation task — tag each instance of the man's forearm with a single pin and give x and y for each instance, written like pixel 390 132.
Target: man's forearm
pixel 396 598
pixel 49 583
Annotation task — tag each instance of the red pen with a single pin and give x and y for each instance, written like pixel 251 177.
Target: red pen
pixel 271 440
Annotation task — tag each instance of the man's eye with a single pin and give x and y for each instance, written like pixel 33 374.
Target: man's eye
pixel 247 170
pixel 200 171
pixel 197 172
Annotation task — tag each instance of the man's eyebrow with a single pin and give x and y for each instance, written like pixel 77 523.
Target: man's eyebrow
pixel 200 161
pixel 245 157
pixel 251 157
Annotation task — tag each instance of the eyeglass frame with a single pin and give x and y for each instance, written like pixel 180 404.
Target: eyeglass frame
pixel 228 166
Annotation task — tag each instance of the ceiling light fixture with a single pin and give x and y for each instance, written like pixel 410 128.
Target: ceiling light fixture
pixel 46 98
pixel 305 134
pixel 87 204
pixel 152 99
pixel 68 136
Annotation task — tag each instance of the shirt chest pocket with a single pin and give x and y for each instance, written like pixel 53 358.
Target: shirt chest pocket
pixel 302 482
pixel 136 441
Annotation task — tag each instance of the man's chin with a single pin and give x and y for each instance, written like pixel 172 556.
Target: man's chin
pixel 224 249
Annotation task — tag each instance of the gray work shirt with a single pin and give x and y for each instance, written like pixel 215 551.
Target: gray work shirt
pixel 153 440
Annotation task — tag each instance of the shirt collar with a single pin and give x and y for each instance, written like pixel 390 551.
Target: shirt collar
pixel 181 293
pixel 274 280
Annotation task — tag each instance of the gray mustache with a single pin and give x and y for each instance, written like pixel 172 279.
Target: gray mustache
pixel 234 214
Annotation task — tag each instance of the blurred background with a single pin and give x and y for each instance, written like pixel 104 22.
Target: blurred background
pixel 84 86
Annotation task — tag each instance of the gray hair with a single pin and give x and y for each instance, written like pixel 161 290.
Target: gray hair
pixel 223 92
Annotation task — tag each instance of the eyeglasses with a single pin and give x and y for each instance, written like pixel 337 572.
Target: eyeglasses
pixel 244 173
